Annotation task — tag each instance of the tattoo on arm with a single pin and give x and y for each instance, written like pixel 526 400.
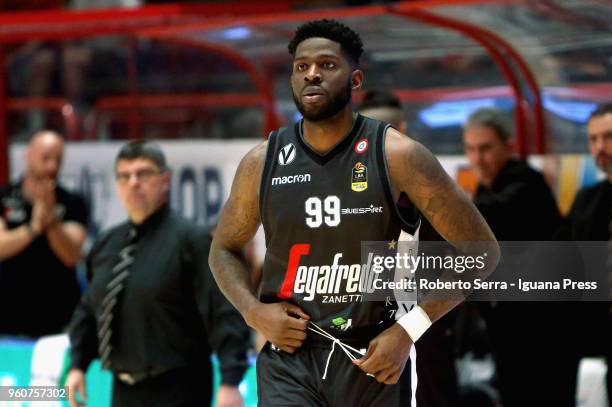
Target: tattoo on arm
pixel 437 196
pixel 415 171
pixel 238 224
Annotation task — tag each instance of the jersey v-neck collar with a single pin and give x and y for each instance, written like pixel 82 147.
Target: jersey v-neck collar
pixel 323 159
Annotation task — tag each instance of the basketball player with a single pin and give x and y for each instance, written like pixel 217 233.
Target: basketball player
pixel 320 188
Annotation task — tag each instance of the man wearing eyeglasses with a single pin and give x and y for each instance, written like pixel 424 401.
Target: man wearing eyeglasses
pixel 42 230
pixel 153 313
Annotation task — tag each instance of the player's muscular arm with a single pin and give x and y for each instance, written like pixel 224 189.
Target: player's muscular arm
pixel 413 169
pixel 416 172
pixel 237 226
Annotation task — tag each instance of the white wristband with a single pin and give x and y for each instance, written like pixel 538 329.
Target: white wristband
pixel 415 323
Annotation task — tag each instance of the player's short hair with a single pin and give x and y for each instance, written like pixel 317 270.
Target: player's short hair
pixel 333 30
pixel 601 110
pixel 143 149
pixel 492 118
pixel 375 98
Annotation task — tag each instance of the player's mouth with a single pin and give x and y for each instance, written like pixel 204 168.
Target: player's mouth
pixel 313 95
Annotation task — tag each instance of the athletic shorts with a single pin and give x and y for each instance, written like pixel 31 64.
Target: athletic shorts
pixel 288 380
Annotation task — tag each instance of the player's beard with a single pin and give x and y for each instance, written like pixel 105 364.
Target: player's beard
pixel 335 104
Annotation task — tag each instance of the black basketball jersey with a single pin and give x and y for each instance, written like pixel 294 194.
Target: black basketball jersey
pixel 316 210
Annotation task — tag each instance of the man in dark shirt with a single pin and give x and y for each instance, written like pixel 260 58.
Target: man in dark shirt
pixel 590 218
pixel 42 230
pixel 535 361
pixel 152 311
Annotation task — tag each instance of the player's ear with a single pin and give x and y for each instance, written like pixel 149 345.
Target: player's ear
pixel 356 79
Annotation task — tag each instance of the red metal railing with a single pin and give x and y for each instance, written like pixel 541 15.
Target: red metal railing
pixel 123 104
pixel 263 86
pixel 503 48
pixel 62 106
pixel 166 21
pixel 4 156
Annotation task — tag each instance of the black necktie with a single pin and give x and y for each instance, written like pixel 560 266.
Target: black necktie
pixel 113 289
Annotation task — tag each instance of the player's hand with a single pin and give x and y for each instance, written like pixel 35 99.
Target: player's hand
pixel 282 323
pixel 46 189
pixel 76 384
pixel 229 396
pixel 43 217
pixel 387 355
pixel 38 223
pixel 43 210
pixel 49 199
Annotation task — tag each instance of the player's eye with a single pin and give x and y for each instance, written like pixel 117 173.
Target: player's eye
pixel 329 65
pixel 301 67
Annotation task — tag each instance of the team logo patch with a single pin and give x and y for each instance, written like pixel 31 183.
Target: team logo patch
pixel 359 178
pixel 287 154
pixel 341 323
pixel 13 210
pixel 361 146
pixel 14 215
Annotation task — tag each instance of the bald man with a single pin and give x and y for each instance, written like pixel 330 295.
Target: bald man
pixel 42 230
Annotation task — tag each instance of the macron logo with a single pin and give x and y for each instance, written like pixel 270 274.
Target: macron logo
pixel 291 179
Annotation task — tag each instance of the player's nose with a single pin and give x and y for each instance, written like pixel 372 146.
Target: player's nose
pixel 313 74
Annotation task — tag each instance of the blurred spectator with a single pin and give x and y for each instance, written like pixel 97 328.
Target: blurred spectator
pixel 535 359
pixel 249 123
pixel 437 376
pixel 34 73
pixel 153 312
pixel 42 230
pixel 590 218
pixel 384 106
pixel 40 70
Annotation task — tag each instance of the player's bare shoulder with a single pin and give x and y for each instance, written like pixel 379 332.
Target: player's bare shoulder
pixel 409 161
pixel 251 166
pixel 397 146
pixel 254 159
pixel 239 218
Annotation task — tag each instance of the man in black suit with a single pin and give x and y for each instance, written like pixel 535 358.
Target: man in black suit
pixel 535 362
pixel 590 219
pixel 153 313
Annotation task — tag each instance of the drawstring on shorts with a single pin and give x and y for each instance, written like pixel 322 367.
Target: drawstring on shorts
pixel 348 350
